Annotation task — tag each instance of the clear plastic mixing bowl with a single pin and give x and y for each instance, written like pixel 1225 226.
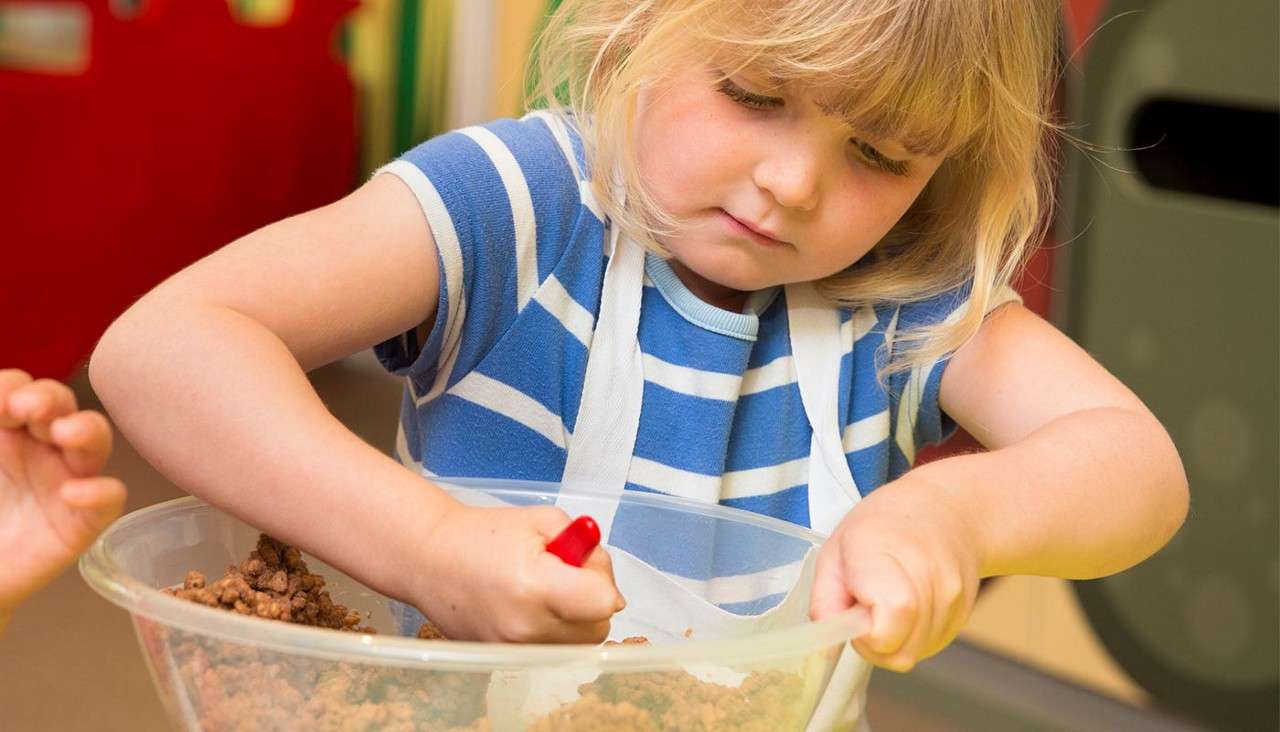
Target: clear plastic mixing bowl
pixel 217 670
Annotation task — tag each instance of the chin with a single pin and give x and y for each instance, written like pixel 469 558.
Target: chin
pixel 747 284
pixel 725 266
pixel 735 278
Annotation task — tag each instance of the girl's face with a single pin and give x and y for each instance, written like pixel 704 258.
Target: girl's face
pixel 769 188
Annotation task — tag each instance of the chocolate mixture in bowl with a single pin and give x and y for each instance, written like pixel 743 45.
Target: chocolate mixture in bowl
pixel 274 583
pixel 241 687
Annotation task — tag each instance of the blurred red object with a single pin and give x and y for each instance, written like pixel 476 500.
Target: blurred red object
pixel 187 129
pixel 576 542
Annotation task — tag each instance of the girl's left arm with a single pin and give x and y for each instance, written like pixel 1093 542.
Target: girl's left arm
pixel 1080 480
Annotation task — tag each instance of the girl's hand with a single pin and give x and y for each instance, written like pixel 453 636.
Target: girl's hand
pixel 911 564
pixel 490 577
pixel 53 503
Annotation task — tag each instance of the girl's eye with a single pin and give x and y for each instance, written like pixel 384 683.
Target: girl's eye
pixel 751 100
pixel 866 150
pixel 747 99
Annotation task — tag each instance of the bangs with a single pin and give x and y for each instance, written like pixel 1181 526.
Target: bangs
pixel 910 71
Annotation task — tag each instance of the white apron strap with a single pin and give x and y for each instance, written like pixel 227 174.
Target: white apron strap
pixel 817 351
pixel 604 436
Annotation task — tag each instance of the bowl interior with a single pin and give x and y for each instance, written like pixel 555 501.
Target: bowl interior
pixel 704 549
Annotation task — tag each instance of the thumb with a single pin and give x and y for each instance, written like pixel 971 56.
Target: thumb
pixel 879 583
pixel 830 594
pixel 579 594
pixel 94 503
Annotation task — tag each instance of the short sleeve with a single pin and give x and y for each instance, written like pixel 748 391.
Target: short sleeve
pixel 499 200
pixel 917 415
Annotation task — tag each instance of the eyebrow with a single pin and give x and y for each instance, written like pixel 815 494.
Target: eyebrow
pixel 833 110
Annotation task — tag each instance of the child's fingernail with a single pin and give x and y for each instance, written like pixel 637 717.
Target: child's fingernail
pixel 73 492
pixel 63 428
pixel 21 404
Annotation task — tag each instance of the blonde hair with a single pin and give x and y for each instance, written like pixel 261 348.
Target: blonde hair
pixel 969 78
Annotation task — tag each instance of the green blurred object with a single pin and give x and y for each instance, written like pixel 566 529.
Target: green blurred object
pixel 406 73
pixel 422 71
pixel 531 79
pixel 399 51
pixel 431 80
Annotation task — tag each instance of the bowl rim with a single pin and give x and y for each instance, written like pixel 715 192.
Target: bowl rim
pixel 107 578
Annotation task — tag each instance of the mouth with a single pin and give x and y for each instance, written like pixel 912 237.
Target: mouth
pixel 748 231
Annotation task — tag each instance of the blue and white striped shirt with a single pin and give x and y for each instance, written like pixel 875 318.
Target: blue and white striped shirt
pixel 495 389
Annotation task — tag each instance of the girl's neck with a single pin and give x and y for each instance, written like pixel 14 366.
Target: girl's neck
pixel 725 298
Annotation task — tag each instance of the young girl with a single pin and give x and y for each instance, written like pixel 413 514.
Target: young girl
pixel 755 253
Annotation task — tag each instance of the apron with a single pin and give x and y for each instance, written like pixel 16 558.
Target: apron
pixel 600 449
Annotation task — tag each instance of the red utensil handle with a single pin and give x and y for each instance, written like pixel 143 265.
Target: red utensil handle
pixel 576 541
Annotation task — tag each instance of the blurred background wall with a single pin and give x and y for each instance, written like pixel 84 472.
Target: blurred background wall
pixel 137 135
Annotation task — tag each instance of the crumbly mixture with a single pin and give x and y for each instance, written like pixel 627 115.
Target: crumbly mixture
pixel 223 687
pixel 635 640
pixel 233 688
pixel 672 701
pixel 272 583
pixel 428 631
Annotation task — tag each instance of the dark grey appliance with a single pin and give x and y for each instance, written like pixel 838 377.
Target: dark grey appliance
pixel 1171 275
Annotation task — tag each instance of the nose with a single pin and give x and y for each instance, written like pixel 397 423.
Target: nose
pixel 792 174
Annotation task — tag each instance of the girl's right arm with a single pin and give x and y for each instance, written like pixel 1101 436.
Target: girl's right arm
pixel 206 377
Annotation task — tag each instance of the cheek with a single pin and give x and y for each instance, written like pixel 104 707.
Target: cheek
pixel 658 156
pixel 682 150
pixel 868 209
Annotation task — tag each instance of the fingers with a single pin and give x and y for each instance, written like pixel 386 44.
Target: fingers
pixel 955 600
pixel 916 608
pixel 600 561
pixel 527 595
pixel 581 598
pixel 96 502
pixel 548 521
pixel 882 585
pixel 100 496
pixel 10 381
pixel 579 595
pixel 37 404
pixel 584 633
pixel 47 408
pixel 85 439
pixel 588 593
pixel 552 602
pixel 921 628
